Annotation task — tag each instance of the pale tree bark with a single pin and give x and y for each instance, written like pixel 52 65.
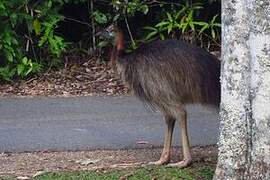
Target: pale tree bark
pixel 244 144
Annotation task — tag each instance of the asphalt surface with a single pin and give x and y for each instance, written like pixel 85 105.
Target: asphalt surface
pixel 82 123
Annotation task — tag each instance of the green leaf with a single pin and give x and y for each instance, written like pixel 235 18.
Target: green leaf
pixel 42 41
pixel 103 44
pixel 169 17
pixel 216 24
pixel 49 5
pixel 161 24
pixel 198 7
pixel 37 26
pixel 192 26
pixel 9 49
pixel 100 17
pixel 184 26
pixel 7 73
pixel 115 18
pixel 36 67
pixel 60 41
pixel 179 26
pixel 177 15
pixel 15 42
pixel 214 19
pixel 183 20
pixel 144 9
pixel 170 28
pixel 20 69
pixel 2 6
pixel 213 33
pixel 203 28
pixel 7 39
pixel 13 19
pixel 132 7
pixel 149 28
pixel 150 35
pixel 162 37
pixel 9 56
pixel 184 8
pixel 30 68
pixel 190 15
pixel 201 23
pixel 25 61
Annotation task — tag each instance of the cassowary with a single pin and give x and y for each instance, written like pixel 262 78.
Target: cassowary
pixel 168 75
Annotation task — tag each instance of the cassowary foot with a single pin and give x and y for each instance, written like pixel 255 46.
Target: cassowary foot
pixel 181 164
pixel 161 161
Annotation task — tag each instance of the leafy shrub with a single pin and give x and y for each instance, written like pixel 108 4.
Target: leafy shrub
pixel 182 23
pixel 27 36
pixel 171 20
pixel 31 38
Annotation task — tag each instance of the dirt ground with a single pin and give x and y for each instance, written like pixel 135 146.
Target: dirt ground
pixel 30 164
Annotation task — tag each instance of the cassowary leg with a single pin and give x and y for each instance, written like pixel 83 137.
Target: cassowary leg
pixel 165 156
pixel 182 117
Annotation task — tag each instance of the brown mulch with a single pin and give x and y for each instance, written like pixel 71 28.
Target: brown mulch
pixel 29 164
pixel 75 79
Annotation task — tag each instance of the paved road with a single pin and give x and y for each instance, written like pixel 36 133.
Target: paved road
pixel 81 123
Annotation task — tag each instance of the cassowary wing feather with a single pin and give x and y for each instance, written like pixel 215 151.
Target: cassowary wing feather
pixel 171 72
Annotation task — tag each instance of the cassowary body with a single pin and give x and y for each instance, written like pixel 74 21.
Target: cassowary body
pixel 167 75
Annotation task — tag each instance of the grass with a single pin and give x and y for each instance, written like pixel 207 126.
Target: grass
pixel 7 178
pixel 202 172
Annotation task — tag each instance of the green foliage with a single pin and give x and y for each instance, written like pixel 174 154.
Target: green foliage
pixel 27 36
pixel 7 73
pixel 55 43
pixel 146 173
pixel 30 38
pixel 122 10
pixel 129 8
pixel 26 66
pixel 183 22
pixel 100 17
pixel 180 20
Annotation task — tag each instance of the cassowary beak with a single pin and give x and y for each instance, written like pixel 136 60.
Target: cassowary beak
pixel 106 34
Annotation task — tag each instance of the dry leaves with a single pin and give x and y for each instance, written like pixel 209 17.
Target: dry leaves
pixel 88 78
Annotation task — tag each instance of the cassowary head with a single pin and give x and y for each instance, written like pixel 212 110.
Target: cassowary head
pixel 115 33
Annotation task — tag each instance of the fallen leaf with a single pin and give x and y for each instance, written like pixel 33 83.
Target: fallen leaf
pixel 142 142
pixel 6 154
pixel 86 162
pixel 87 70
pixel 39 173
pixel 22 178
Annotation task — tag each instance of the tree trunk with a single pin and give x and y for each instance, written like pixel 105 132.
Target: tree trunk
pixel 244 144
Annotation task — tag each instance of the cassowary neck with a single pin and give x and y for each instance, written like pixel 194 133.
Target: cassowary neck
pixel 119 40
pixel 118 50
